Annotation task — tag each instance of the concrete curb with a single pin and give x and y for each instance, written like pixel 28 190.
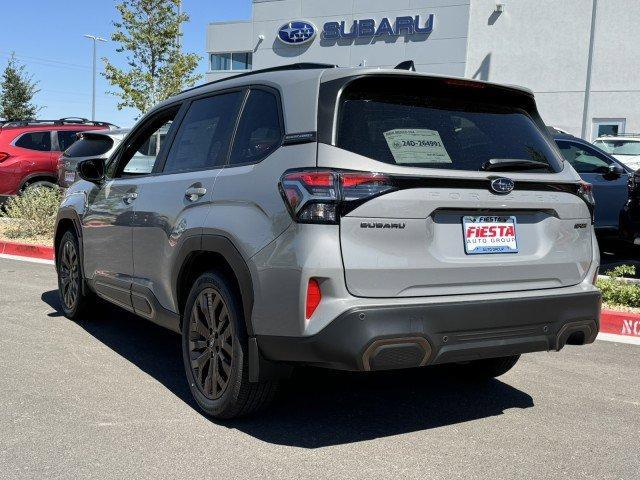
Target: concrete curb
pixel 620 323
pixel 41 252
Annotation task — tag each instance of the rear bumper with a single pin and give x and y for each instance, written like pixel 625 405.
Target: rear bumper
pixel 379 338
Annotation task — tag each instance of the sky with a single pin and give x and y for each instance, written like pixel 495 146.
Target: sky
pixel 47 37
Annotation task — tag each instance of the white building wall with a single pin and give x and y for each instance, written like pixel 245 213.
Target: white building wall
pixel 544 45
pixel 443 51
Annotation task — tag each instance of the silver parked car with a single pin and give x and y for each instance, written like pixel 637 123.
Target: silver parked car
pixel 352 219
pixel 90 144
pixel 101 144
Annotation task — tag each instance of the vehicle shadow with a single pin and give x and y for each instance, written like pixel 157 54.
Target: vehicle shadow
pixel 315 408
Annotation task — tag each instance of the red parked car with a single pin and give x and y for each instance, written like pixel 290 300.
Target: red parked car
pixel 29 151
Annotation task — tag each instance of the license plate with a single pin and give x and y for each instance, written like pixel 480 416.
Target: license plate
pixel 69 177
pixel 489 234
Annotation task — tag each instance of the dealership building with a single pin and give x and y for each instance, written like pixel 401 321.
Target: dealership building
pixel 581 58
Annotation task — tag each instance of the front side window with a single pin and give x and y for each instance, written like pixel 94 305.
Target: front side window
pixel 231 61
pixel 400 122
pixel 619 147
pixel 66 138
pixel 259 131
pixel 141 153
pixel 583 159
pixel 202 141
pixel 40 141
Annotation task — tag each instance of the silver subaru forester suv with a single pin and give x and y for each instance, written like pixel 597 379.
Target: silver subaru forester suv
pixel 352 219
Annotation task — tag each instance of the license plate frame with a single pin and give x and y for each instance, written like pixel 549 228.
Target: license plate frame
pixel 490 234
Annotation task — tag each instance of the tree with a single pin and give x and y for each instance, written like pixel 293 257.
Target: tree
pixel 17 90
pixel 149 31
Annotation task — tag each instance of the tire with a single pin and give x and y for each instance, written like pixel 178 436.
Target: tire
pixel 215 351
pixel 487 368
pixel 70 280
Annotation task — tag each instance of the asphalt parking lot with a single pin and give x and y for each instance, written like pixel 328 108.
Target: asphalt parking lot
pixel 106 398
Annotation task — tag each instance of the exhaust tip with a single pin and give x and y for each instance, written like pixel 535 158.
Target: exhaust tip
pixel 577 333
pixel 393 353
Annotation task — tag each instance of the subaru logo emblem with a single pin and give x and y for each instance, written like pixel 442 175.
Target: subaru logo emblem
pixel 297 32
pixel 502 185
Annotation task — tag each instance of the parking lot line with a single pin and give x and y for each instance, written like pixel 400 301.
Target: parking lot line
pixel 26 259
pixel 612 337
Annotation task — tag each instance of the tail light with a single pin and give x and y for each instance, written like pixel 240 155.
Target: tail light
pixel 585 191
pixel 314 295
pixel 322 196
pixel 3 156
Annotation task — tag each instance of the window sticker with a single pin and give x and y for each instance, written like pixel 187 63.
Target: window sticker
pixel 416 145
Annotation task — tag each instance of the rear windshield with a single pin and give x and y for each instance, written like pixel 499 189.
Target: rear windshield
pixel 404 122
pixel 89 147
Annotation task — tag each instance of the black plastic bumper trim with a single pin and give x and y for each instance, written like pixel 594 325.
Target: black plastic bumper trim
pixel 454 332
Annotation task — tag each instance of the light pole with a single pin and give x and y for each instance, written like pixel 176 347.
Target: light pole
pixel 93 95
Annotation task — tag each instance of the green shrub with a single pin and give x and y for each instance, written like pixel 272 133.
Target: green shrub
pixel 34 212
pixel 615 291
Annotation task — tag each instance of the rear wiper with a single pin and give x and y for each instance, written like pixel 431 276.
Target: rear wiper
pixel 513 164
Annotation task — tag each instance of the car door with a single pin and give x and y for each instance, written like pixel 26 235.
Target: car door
pixel 35 152
pixel 108 220
pixel 173 204
pixel 609 189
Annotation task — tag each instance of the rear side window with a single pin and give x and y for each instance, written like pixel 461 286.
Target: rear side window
pixel 202 141
pixel 40 141
pixel 259 131
pixel 66 138
pixel 89 146
pixel 403 122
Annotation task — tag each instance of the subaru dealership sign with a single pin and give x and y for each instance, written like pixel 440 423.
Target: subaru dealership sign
pixel 300 32
pixel 297 32
pixel 368 27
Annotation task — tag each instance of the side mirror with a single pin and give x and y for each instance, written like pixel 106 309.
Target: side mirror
pixel 615 170
pixel 92 170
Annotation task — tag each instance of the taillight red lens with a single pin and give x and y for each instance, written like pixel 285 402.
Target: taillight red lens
pixel 313 179
pixel 314 296
pixel 585 191
pixel 316 196
pixel 3 156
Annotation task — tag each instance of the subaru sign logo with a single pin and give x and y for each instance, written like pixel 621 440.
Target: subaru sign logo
pixel 502 185
pixel 297 32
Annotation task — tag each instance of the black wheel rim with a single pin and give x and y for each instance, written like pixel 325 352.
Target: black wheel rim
pixel 69 275
pixel 211 343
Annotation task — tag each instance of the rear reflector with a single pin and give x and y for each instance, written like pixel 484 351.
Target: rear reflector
pixel 314 295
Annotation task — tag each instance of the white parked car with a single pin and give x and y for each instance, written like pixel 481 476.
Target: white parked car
pixel 624 147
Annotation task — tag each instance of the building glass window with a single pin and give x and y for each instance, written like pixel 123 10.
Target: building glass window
pixel 231 61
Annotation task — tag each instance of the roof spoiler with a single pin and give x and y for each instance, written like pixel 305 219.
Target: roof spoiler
pixel 406 65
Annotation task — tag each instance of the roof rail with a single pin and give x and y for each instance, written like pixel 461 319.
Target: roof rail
pixel 290 66
pixel 60 121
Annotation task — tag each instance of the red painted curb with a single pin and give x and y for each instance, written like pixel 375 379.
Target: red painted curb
pixel 620 323
pixel 25 250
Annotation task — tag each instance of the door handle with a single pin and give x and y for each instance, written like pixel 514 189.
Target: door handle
pixel 128 198
pixel 194 193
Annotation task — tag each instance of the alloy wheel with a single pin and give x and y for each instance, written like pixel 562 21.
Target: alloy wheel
pixel 69 275
pixel 211 343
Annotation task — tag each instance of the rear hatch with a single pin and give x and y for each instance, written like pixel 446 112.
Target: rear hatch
pixel 479 199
